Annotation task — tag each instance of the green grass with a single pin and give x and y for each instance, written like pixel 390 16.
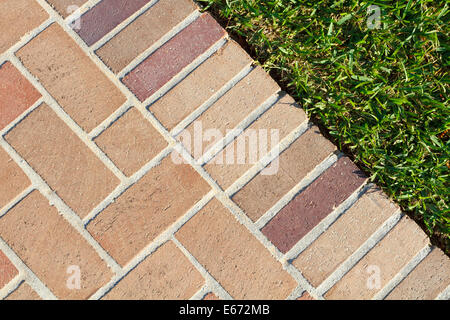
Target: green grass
pixel 380 94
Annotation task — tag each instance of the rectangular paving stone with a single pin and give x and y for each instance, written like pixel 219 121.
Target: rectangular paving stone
pixel 131 142
pixel 344 236
pixel 7 270
pixel 12 179
pixel 283 117
pixel 426 281
pixel 312 205
pixel 176 54
pixel 62 160
pixel 246 96
pixel 18 17
pixel 104 17
pixel 263 191
pixel 17 94
pixel 388 257
pixel 147 208
pixel 165 274
pixel 71 77
pixel 215 238
pixel 142 33
pixel 200 84
pixel 50 247
pixel 65 7
pixel 23 292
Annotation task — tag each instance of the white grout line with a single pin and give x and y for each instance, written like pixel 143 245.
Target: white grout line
pixel 296 293
pixel 11 286
pixel 444 295
pixel 200 294
pixel 16 200
pixel 402 274
pixel 116 115
pixel 351 261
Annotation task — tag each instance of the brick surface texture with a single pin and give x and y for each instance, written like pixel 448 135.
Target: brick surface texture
pixel 145 155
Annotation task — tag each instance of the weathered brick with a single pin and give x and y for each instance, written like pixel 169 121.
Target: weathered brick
pixel 62 160
pixel 18 17
pixel 245 97
pixel 388 257
pixel 200 84
pixel 155 71
pixel 263 191
pixel 165 274
pixel 210 296
pixel 23 292
pixel 49 245
pixel 12 179
pixel 312 205
pixel 16 94
pixel 426 281
pixel 215 238
pixel 283 117
pixel 144 32
pixel 7 270
pixel 104 17
pixel 344 236
pixel 131 142
pixel 66 7
pixel 71 77
pixel 146 209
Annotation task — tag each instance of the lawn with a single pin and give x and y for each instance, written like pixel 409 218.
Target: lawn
pixel 378 91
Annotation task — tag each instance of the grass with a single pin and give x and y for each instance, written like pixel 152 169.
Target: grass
pixel 379 94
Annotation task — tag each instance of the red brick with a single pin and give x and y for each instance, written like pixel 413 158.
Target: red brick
pixel 49 245
pixel 7 269
pixel 233 256
pixel 18 17
pixel 16 94
pixel 146 209
pixel 71 77
pixel 200 85
pixel 245 97
pixel 65 7
pixel 62 160
pixel 426 281
pixel 312 205
pixel 12 179
pixel 23 292
pixel 389 256
pixel 263 191
pixel 344 236
pixel 165 274
pixel 283 117
pixel 104 17
pixel 144 32
pixel 155 71
pixel 131 142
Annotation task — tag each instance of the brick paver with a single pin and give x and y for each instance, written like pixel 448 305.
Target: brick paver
pixel 97 202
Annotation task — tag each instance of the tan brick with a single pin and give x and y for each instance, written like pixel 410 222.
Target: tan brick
pixel 244 97
pixel 263 191
pixel 71 77
pixel 215 238
pixel 146 209
pixel 12 179
pixel 18 17
pixel 426 281
pixel 131 142
pixel 200 85
pixel 389 256
pixel 165 274
pixel 65 7
pixel 284 116
pixel 62 160
pixel 23 292
pixel 344 236
pixel 49 245
pixel 7 270
pixel 144 32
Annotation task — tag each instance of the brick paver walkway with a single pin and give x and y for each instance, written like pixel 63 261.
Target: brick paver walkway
pixel 121 176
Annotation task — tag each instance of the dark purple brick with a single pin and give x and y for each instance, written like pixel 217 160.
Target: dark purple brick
pixel 173 56
pixel 309 207
pixel 104 17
